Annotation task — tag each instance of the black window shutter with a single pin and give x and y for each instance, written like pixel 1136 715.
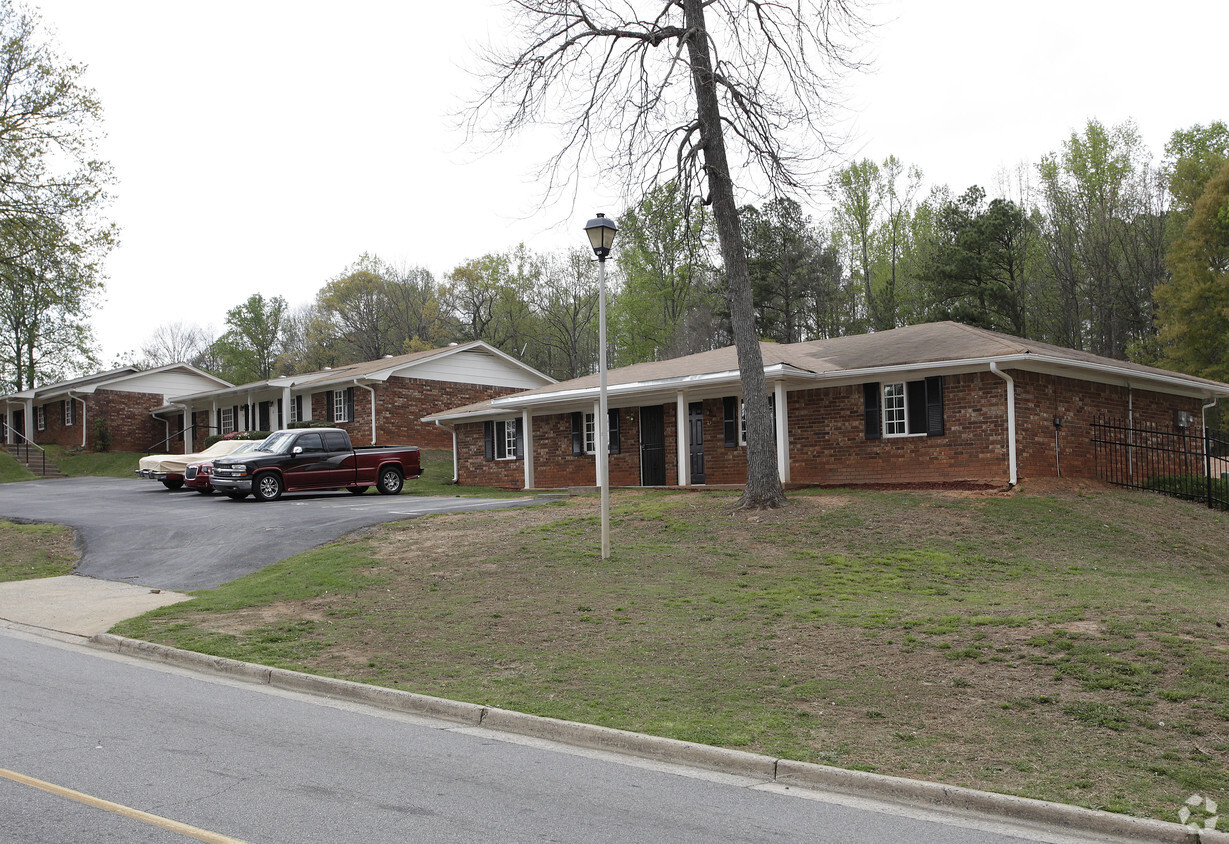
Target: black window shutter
pixel 613 421
pixel 729 420
pixel 934 406
pixel 488 440
pixel 520 439
pixel 915 399
pixel 218 413
pixel 871 410
pixel 349 404
pixel 578 434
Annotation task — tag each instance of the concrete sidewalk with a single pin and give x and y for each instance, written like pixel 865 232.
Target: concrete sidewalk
pixel 79 605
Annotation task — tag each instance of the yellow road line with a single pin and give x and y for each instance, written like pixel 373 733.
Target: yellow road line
pixel 125 811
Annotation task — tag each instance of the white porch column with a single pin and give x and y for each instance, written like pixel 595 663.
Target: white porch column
pixel 780 400
pixel 527 438
pixel 287 401
pixel 189 416
pixel 28 420
pixel 682 449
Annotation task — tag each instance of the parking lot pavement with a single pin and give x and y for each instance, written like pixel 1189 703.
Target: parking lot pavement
pixel 135 531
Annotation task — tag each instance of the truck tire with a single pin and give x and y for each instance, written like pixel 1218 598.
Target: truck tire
pixel 357 490
pixel 267 486
pixel 390 481
pixel 172 484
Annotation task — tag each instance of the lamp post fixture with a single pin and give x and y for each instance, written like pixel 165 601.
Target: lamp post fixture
pixel 601 233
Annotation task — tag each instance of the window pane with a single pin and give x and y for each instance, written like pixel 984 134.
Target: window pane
pixel 894 409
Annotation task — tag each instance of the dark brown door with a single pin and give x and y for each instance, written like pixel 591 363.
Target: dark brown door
pixel 695 434
pixel 652 446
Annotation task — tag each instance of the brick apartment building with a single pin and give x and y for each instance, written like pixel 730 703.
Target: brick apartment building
pixel 934 404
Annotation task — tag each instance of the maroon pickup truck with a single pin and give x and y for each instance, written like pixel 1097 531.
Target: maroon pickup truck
pixel 314 459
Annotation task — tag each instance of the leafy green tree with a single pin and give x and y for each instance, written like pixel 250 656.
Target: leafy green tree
pixel 1192 157
pixel 354 312
pixel 1194 303
pixel 787 261
pixel 249 349
pixel 1104 230
pixel 52 191
pixel 566 305
pixel 490 301
pixel 855 191
pixel 977 268
pixel 48 286
pixel 663 308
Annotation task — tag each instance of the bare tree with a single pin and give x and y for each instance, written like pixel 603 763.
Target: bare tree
pixel 660 93
pixel 176 342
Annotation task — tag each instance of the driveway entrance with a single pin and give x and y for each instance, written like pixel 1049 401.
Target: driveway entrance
pixel 137 532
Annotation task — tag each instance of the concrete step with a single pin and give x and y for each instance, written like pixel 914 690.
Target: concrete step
pixel 46 471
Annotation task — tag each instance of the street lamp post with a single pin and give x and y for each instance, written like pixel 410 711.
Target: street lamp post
pixel 601 233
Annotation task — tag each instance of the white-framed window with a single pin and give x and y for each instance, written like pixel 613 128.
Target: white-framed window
pixel 903 408
pixel 502 439
pixel 742 418
pixel 70 413
pixel 343 405
pixel 40 417
pixel 510 438
pixel 294 408
pixel 895 410
pixel 227 423
pixel 590 434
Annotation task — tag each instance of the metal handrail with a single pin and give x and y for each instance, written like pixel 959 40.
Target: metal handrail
pixel 179 433
pixel 29 442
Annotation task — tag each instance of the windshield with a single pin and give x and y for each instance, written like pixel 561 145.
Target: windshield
pixel 278 443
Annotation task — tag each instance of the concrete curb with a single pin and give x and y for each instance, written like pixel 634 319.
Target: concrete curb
pixel 1071 819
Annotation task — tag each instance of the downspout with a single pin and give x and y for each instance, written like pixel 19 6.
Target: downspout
pixel 1011 421
pixel 1207 451
pixel 371 390
pixel 456 474
pixel 85 429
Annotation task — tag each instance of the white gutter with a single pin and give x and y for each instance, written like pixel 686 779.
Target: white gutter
pixel 85 430
pixel 1011 421
pixel 456 471
pixel 371 390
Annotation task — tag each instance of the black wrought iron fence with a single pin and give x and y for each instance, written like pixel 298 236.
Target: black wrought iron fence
pixel 1184 462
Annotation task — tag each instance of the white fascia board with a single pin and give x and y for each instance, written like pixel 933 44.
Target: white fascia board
pixel 385 374
pixel 1105 373
pixel 583 398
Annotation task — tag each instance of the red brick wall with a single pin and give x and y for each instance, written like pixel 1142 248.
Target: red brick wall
pixel 128 418
pixel 828 443
pixel 1040 398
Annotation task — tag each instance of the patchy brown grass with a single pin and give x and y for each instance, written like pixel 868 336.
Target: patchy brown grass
pixel 28 551
pixel 1067 643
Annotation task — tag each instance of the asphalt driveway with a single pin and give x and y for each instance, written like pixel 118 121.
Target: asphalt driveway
pixel 135 531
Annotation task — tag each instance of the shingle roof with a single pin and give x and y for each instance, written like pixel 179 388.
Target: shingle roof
pixel 939 343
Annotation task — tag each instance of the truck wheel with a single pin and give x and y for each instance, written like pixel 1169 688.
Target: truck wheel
pixel 357 490
pixel 390 481
pixel 172 484
pixel 267 487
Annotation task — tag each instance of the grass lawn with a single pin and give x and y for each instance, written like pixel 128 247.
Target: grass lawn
pixel 29 551
pixel 1069 645
pixel 108 464
pixel 11 470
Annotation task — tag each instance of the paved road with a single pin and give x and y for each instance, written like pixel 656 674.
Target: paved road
pixel 137 531
pixel 264 765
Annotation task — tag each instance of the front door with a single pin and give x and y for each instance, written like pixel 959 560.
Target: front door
pixel 652 446
pixel 695 436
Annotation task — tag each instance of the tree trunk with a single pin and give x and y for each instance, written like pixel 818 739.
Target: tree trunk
pixel 763 490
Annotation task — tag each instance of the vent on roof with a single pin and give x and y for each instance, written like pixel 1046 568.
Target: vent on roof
pixel 386 357
pixel 454 344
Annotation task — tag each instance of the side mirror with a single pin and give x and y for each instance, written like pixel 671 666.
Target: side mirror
pixel 298 449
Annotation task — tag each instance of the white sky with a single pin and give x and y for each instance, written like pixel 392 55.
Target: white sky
pixel 263 145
